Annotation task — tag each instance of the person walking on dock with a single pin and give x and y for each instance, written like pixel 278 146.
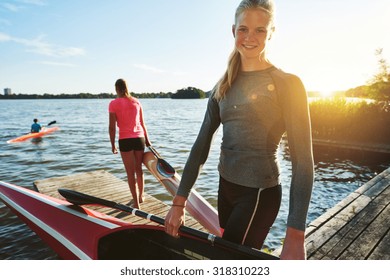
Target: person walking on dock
pixel 126 113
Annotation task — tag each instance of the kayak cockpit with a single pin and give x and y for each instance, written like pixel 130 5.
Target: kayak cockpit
pixel 152 243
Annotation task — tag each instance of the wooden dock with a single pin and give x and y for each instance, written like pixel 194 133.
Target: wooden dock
pixel 357 228
pixel 380 149
pixel 104 185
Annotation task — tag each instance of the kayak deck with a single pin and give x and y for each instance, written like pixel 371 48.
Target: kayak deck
pixel 147 243
pixel 103 184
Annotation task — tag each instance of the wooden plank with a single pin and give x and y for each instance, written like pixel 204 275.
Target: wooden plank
pixel 328 215
pixel 381 252
pixel 361 248
pixel 339 243
pixel 356 227
pixel 379 188
pixel 318 238
pixel 102 184
pixel 382 177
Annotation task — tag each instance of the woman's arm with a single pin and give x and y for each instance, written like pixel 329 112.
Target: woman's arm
pixel 147 141
pixel 297 121
pixel 198 156
pixel 112 132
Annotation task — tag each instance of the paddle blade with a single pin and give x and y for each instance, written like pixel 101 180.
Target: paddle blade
pixel 52 122
pixel 164 168
pixel 78 198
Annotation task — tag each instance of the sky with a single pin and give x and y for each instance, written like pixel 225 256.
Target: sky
pixel 74 46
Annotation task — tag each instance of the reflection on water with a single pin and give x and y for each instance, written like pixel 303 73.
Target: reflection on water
pixel 82 145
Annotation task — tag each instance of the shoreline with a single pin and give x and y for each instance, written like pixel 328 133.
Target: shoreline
pixel 364 148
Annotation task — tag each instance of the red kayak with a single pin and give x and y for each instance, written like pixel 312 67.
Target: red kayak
pixel 44 131
pixel 75 232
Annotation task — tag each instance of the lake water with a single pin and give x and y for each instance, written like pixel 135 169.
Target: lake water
pixel 82 145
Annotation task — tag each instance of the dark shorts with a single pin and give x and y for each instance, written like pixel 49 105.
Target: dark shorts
pixel 132 144
pixel 247 214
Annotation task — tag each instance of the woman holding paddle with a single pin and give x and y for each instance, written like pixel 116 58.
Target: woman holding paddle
pixel 256 103
pixel 126 113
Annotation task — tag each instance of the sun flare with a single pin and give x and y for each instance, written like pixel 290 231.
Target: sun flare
pixel 326 93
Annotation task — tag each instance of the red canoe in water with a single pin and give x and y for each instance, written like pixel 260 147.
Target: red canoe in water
pixel 75 232
pixel 44 131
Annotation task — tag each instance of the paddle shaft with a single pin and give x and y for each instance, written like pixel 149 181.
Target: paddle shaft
pixel 153 150
pixel 80 199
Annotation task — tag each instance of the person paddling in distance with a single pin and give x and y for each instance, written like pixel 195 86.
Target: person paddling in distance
pixel 126 113
pixel 256 103
pixel 36 126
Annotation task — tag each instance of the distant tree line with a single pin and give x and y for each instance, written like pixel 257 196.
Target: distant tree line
pixel 377 88
pixel 58 96
pixel 186 93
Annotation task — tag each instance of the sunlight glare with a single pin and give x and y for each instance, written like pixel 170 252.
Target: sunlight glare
pixel 326 93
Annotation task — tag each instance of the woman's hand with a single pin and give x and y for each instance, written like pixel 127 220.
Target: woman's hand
pixel 114 150
pixel 147 143
pixel 175 217
pixel 294 245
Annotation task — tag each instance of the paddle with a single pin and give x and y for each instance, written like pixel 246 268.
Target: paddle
pixel 78 198
pixel 163 167
pixel 52 122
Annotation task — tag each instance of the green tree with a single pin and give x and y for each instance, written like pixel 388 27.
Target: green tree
pixel 189 93
pixel 383 74
pixel 378 87
pixel 379 84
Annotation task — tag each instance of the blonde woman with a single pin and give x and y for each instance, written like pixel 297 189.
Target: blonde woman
pixel 256 103
pixel 126 113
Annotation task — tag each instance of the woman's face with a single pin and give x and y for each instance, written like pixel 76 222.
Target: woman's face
pixel 252 31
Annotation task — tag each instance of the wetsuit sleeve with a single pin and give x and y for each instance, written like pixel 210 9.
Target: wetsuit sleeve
pixel 297 122
pixel 201 148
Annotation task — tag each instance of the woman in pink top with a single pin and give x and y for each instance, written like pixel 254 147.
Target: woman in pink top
pixel 126 113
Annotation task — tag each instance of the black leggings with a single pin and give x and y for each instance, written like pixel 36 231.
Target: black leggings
pixel 247 214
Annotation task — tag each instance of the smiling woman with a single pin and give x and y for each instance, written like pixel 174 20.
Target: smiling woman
pixel 261 102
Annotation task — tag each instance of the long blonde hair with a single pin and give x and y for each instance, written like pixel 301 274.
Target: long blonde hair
pixel 121 86
pixel 234 62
